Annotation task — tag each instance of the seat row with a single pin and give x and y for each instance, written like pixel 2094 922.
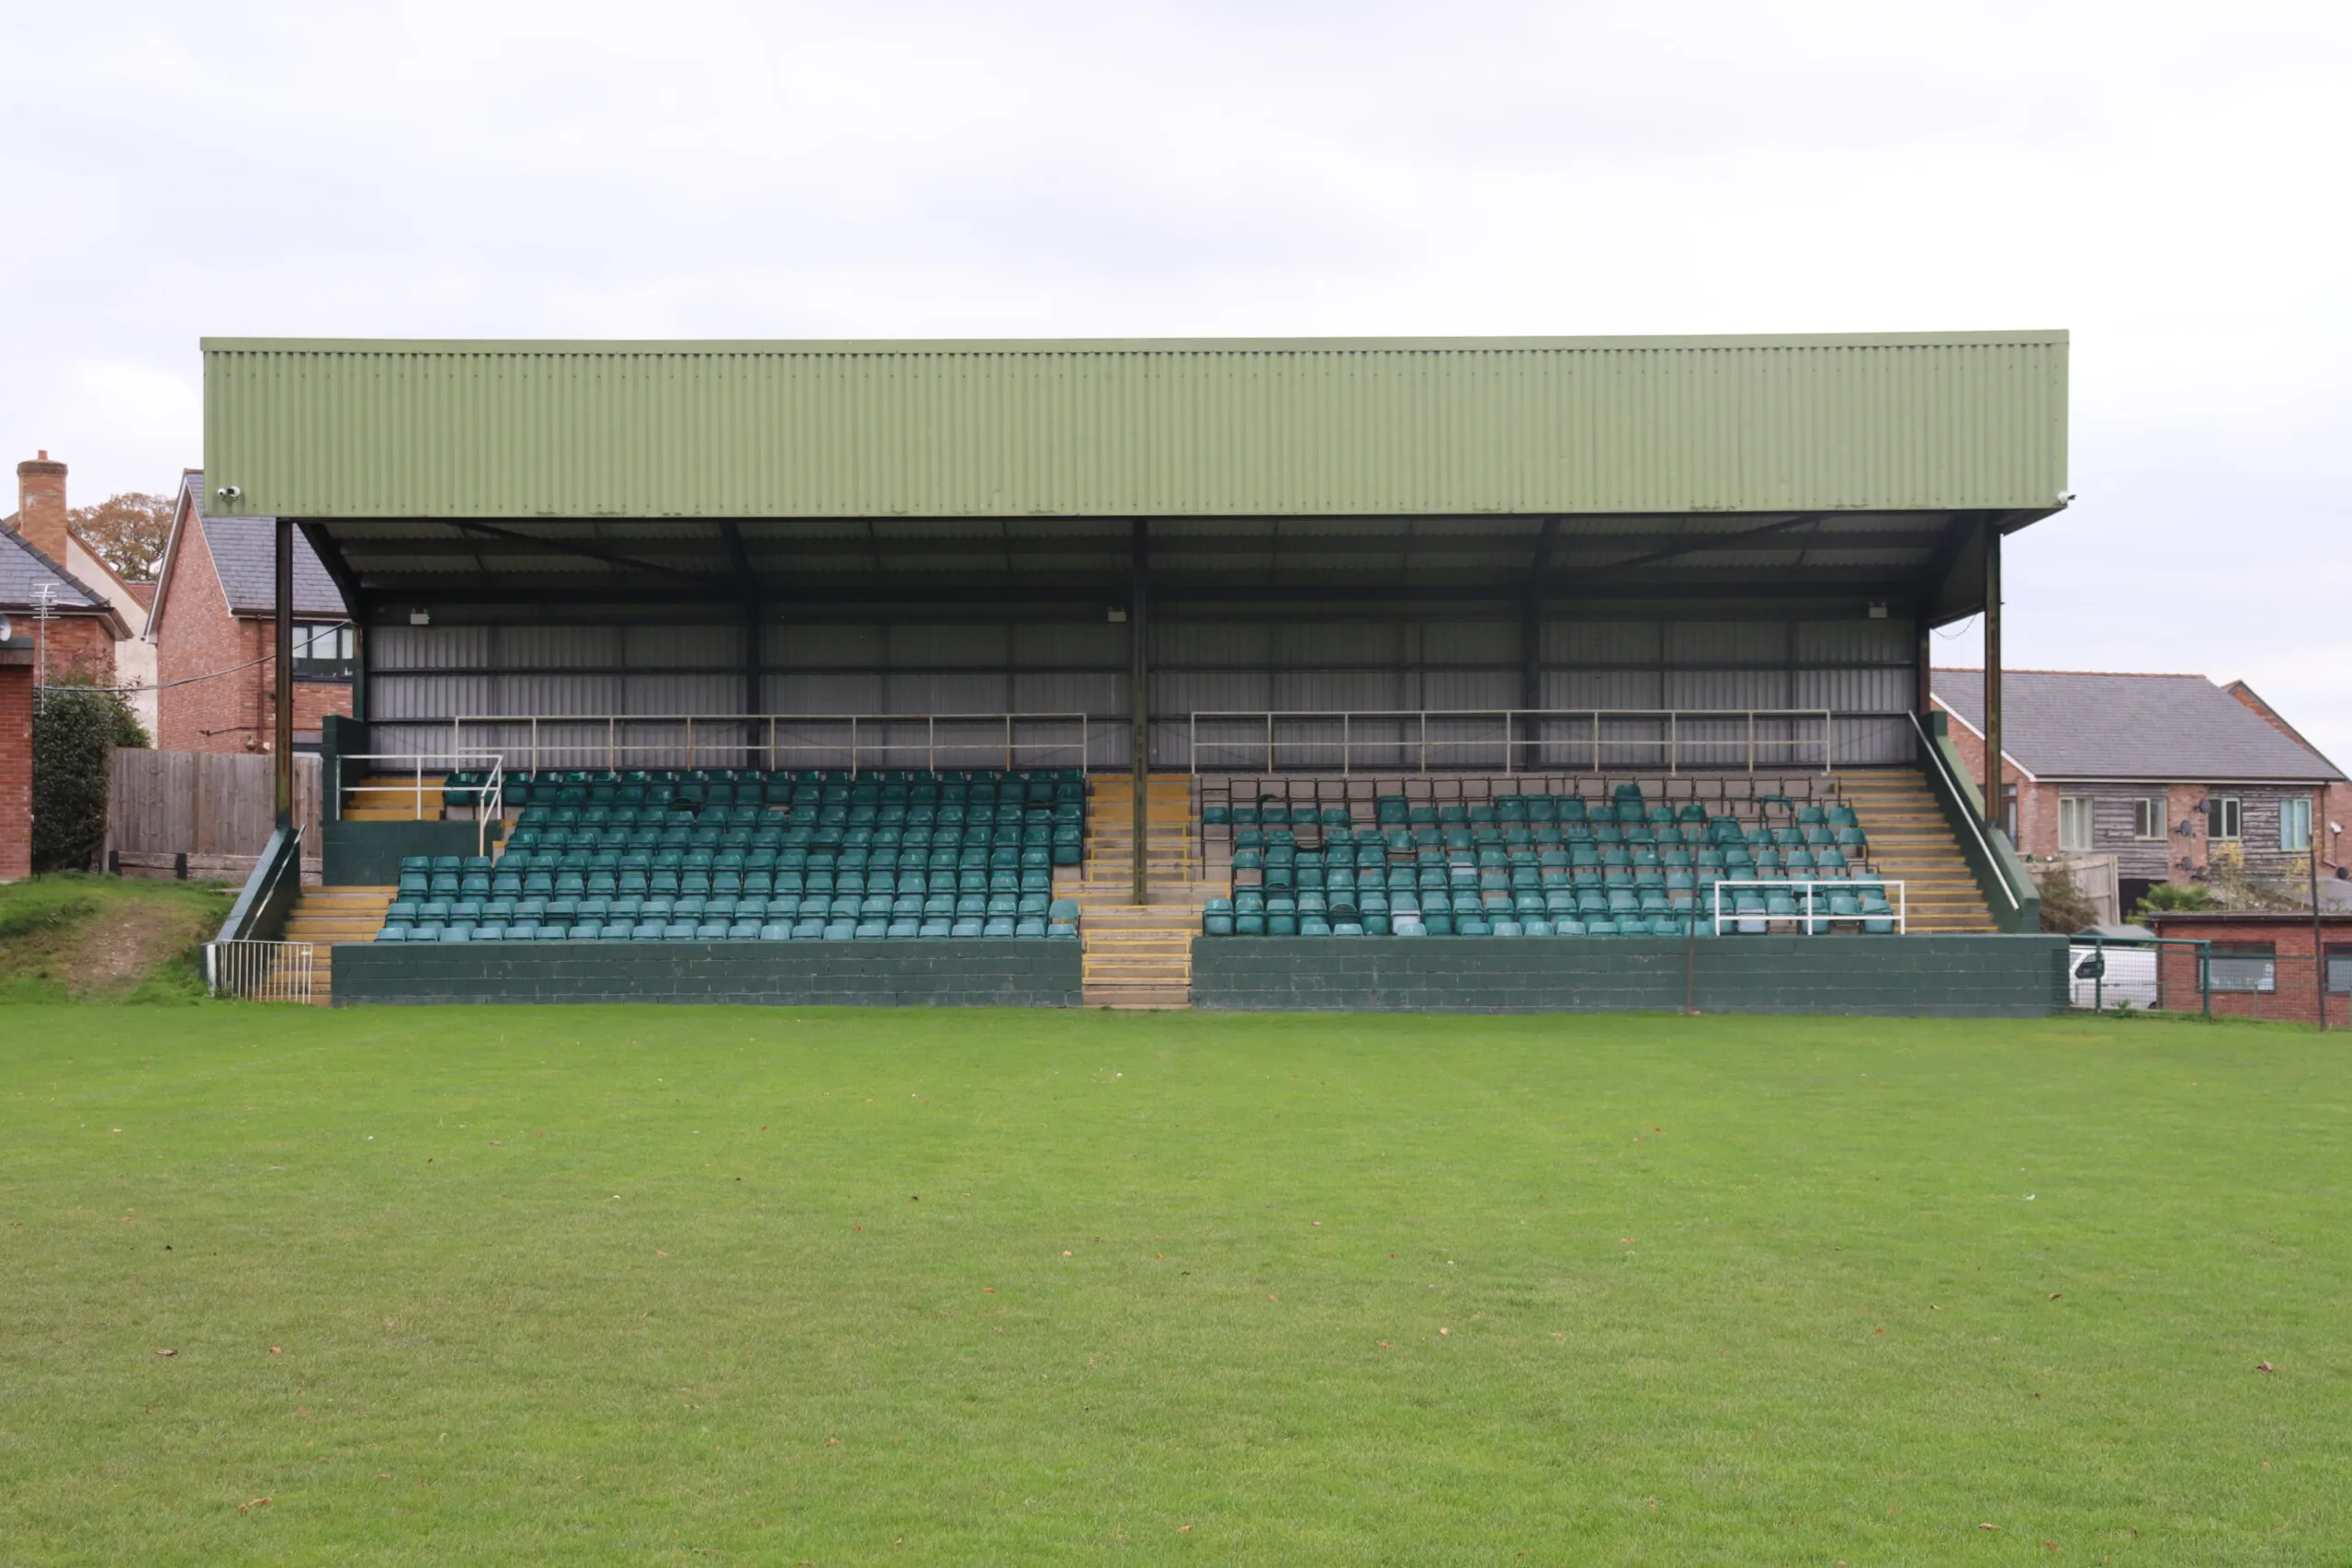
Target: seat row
pixel 867 815
pixel 734 919
pixel 1006 927
pixel 1854 899
pixel 1625 808
pixel 1719 833
pixel 1221 919
pixel 703 788
pixel 1427 881
pixel 1736 859
pixel 1065 844
pixel 673 881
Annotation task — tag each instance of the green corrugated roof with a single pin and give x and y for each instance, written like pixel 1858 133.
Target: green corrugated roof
pixel 1111 428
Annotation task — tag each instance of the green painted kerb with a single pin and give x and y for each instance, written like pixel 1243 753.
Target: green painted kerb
pixel 1918 976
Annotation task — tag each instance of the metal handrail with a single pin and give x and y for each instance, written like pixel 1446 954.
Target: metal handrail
pixel 1008 743
pixel 1786 884
pixel 1976 830
pixel 1512 741
pixel 490 797
pixel 259 971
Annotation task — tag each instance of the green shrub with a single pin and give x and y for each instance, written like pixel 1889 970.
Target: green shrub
pixel 2169 898
pixel 75 731
pixel 2065 908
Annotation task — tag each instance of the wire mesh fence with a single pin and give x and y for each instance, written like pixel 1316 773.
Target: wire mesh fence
pixel 2217 979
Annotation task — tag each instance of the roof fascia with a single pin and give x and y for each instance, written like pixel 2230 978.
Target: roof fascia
pixel 732 346
pixel 2028 775
pixel 165 569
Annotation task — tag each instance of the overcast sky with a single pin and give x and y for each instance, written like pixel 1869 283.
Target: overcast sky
pixel 2166 181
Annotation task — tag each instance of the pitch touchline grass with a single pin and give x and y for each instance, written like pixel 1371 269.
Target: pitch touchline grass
pixel 504 1286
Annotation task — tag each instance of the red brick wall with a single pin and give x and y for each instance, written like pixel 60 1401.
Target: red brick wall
pixel 2037 803
pixel 80 646
pixel 16 772
pixel 2295 1000
pixel 230 712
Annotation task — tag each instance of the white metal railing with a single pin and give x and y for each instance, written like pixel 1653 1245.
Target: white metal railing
pixel 1529 740
pixel 489 799
pixel 1809 912
pixel 616 742
pixel 1976 830
pixel 258 971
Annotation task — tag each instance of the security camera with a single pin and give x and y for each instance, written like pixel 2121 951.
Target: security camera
pixel 231 492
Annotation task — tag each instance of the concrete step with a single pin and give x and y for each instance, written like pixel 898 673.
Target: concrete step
pixel 1171 999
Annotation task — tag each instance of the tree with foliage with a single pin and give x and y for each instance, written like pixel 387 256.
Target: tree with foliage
pixel 2065 908
pixel 75 731
pixel 126 532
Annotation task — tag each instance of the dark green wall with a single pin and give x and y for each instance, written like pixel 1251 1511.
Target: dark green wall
pixel 771 973
pixel 1946 977
pixel 369 855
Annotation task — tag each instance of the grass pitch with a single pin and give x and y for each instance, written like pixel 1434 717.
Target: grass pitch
pixel 639 1286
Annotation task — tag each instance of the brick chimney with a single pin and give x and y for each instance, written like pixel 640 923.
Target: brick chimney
pixel 41 506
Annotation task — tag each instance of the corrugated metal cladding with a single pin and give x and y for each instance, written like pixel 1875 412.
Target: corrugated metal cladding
pixel 326 429
pixel 1290 658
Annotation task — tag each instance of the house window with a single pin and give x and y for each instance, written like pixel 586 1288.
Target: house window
pixel 2073 822
pixel 2221 816
pixel 2339 967
pixel 2010 811
pixel 2295 823
pixel 2244 966
pixel 324 653
pixel 2148 816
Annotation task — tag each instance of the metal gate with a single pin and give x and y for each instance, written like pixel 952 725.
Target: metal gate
pixel 258 971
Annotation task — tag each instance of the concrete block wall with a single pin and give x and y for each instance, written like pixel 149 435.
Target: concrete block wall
pixel 1941 977
pixel 759 974
pixel 369 855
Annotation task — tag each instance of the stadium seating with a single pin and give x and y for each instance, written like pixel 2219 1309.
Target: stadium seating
pixel 745 855
pixel 1604 862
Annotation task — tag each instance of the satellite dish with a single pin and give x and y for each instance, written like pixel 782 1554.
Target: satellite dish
pixel 7 629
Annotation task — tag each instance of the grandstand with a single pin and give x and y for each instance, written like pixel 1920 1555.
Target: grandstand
pixel 1154 673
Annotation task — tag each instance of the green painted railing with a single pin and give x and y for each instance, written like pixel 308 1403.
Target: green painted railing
pixel 2008 888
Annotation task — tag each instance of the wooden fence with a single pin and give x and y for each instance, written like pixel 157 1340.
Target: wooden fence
pixel 202 814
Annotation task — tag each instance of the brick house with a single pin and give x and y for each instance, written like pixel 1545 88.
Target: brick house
pixel 59 627
pixel 2166 772
pixel 83 626
pixel 2261 964
pixel 215 632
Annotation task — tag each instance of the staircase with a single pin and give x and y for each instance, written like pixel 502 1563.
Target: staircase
pixel 324 916
pixel 1139 955
pixel 1911 843
pixel 392 798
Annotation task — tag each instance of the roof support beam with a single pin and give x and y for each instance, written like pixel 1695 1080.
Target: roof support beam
pixel 575 548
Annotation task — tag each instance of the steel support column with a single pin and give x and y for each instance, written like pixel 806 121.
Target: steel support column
pixel 1139 700
pixel 282 739
pixel 1993 781
pixel 1923 698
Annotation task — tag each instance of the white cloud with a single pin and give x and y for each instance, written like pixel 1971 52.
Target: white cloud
pixel 2158 178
